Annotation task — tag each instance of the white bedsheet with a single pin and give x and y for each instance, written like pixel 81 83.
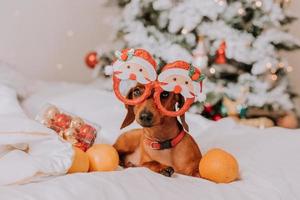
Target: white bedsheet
pixel 269 160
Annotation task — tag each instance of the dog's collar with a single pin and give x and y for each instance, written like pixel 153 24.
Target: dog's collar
pixel 165 144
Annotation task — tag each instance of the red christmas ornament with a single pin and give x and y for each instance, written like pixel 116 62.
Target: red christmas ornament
pixel 221 54
pixel 55 128
pixel 81 145
pixel 62 121
pixel 217 117
pixel 208 108
pixel 86 135
pixel 86 129
pixel 91 59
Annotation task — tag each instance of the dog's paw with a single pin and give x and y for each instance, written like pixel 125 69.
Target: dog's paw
pixel 168 171
pixel 129 164
pixel 122 160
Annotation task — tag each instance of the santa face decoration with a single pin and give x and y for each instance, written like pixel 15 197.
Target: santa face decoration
pixel 178 77
pixel 129 66
pixel 179 82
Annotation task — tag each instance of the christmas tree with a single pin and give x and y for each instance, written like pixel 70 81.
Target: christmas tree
pixel 236 43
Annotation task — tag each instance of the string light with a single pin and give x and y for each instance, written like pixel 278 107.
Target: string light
pixel 289 69
pixel 184 31
pixel 212 70
pixel 258 3
pixel 220 2
pixel 269 65
pixel 274 77
pixel 241 11
pixel 281 65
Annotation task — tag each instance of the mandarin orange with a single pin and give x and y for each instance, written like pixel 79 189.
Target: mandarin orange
pixel 103 157
pixel 80 161
pixel 219 166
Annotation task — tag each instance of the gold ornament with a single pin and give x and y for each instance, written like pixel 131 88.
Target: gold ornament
pixel 69 132
pixel 76 122
pixel 50 113
pixel 69 135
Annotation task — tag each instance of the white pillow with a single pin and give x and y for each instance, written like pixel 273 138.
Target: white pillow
pixel 27 147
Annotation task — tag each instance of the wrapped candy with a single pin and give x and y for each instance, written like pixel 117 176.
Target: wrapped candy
pixel 71 128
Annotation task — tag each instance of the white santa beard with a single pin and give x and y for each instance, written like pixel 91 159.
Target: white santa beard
pixel 184 90
pixel 124 75
pixel 141 79
pixel 126 85
pixel 197 89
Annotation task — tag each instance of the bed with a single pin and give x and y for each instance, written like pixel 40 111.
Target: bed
pixel 269 158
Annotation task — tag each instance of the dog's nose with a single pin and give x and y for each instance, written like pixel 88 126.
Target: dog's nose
pixel 146 118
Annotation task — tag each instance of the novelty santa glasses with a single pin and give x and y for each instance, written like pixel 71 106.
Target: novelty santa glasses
pixel 178 77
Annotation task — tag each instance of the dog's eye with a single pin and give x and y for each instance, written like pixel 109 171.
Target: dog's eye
pixel 186 82
pixel 164 95
pixel 141 70
pixel 137 92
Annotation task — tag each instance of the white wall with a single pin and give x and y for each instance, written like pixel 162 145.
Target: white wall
pixel 48 39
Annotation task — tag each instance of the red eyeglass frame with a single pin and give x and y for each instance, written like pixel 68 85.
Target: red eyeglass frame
pixel 148 88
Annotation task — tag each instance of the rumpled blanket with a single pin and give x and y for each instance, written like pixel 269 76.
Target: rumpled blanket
pixel 28 150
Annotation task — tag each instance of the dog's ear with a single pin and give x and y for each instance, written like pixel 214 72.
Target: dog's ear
pixel 129 117
pixel 183 123
pixel 180 100
pixel 130 113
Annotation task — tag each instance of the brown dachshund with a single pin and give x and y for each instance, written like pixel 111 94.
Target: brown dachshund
pixel 161 145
